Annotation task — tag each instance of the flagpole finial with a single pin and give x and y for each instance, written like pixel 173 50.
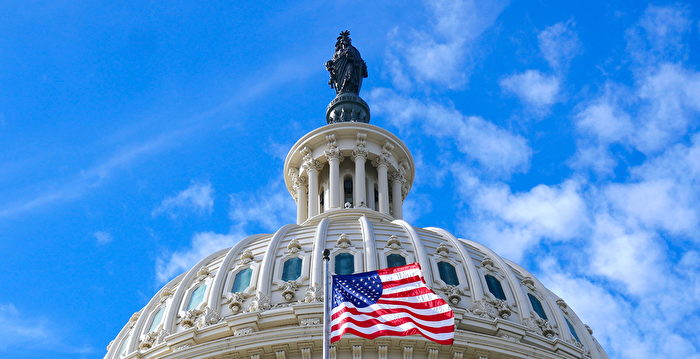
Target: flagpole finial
pixel 326 254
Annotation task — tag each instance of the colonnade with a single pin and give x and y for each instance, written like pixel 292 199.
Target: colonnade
pixel 306 188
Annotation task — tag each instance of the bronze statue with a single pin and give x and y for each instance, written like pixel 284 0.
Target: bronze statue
pixel 347 69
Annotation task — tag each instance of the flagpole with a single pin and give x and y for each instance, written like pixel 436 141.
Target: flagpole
pixel 326 305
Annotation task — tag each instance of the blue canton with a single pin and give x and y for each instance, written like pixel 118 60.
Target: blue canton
pixel 361 289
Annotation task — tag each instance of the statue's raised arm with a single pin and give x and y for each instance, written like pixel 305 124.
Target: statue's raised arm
pixel 346 68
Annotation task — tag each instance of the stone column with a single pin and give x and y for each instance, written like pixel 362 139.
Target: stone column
pixel 359 155
pixel 333 156
pixel 396 198
pixel 300 186
pixel 383 185
pixel 370 193
pixel 312 167
pixel 382 164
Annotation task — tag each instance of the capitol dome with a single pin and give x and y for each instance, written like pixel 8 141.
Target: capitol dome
pixel 263 297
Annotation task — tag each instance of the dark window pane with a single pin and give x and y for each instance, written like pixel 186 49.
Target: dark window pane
pixel 572 330
pixel 395 260
pixel 344 264
pixel 291 269
pixel 242 280
pixel 495 287
pixel 448 274
pixel 537 306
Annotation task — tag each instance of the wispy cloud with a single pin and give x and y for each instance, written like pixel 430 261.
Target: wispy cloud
pixel 197 198
pixel 494 148
pixel 559 44
pixel 22 331
pixel 439 52
pixel 102 237
pixel 264 210
pixel 535 89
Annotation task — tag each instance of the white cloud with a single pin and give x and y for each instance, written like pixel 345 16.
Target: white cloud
pixel 267 209
pixel 659 35
pixel 16 330
pixel 440 53
pixel 196 198
pixel 559 44
pixel 202 245
pixel 494 148
pixel 511 223
pixel 20 331
pixel 533 88
pixel 102 237
pixel 264 210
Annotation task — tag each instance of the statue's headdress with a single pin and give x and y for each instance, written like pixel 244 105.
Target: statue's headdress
pixel 344 36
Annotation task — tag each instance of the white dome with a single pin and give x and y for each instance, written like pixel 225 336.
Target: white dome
pixel 197 315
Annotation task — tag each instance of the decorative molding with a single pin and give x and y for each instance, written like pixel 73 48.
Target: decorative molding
pixel 529 283
pixel 360 149
pixel 332 152
pixel 453 294
pixel 457 355
pixel 132 320
pixel 289 288
pixel 344 241
pixel 261 302
pixel 280 354
pixel 537 324
pixel 407 352
pixel 305 353
pixel 293 246
pixel 357 352
pixel 188 319
pixel 432 353
pixel 246 257
pixel 487 263
pixel 243 331
pixel 182 347
pixel 443 250
pixel 234 301
pixel 313 294
pixel 393 243
pixel 382 351
pixel 307 322
pixel 309 163
pixel 488 308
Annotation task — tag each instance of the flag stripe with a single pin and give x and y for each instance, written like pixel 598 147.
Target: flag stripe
pixel 433 326
pixel 393 301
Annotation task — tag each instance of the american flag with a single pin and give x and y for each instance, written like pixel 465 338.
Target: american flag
pixel 393 301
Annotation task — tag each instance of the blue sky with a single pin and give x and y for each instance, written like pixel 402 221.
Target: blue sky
pixel 137 138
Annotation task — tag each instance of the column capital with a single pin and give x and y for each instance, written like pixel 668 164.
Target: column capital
pixel 360 149
pixel 309 163
pixel 332 151
pixel 385 157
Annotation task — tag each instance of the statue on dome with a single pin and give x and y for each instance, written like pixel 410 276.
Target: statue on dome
pixel 346 68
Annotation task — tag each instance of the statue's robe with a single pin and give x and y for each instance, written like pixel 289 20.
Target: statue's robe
pixel 349 70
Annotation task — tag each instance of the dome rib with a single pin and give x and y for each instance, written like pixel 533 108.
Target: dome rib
pixel 319 246
pixel 220 278
pixel 265 277
pixel 420 250
pixel 369 244
pixel 171 315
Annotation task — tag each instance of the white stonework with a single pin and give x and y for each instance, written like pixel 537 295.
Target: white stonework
pixel 276 317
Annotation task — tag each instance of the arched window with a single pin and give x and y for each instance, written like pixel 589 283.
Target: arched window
pixel 572 330
pixel 291 269
pixel 347 190
pixel 197 297
pixel 495 287
pixel 537 306
pixel 395 260
pixel 344 263
pixel 242 280
pixel 448 274
pixel 155 322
